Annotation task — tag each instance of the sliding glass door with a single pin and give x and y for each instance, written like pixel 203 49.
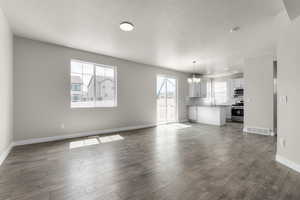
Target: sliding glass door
pixel 166 99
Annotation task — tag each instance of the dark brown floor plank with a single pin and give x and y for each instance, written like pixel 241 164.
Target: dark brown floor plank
pixel 177 161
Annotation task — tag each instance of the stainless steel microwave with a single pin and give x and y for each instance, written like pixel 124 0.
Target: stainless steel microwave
pixel 238 92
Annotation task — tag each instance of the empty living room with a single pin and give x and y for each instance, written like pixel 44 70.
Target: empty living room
pixel 149 100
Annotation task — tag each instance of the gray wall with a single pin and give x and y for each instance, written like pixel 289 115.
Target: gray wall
pixel 289 85
pixel 6 81
pixel 258 81
pixel 42 92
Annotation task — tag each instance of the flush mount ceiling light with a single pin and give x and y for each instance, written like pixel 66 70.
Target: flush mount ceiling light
pixel 126 26
pixel 235 29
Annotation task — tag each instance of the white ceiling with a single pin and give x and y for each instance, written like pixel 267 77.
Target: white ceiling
pixel 168 33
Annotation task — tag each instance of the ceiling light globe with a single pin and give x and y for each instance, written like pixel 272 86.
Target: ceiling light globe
pixel 126 26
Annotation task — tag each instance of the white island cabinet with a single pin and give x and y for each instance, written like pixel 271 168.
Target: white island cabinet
pixel 213 115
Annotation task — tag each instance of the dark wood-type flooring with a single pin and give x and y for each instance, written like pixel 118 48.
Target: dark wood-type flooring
pixel 174 162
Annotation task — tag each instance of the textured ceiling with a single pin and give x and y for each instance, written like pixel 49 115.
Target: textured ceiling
pixel 168 33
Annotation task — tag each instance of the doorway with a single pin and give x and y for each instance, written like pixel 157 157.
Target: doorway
pixel 166 90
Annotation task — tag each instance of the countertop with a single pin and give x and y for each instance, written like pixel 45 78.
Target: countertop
pixel 195 105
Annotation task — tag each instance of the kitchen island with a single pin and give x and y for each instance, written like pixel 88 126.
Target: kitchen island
pixel 213 115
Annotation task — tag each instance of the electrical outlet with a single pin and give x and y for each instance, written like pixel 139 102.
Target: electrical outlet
pixel 62 126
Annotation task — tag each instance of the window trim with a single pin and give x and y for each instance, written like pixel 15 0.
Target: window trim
pixel 217 101
pixel 94 73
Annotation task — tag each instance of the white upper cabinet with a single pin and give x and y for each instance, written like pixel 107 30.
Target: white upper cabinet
pixel 194 90
pixel 203 89
pixel 198 89
pixel 238 83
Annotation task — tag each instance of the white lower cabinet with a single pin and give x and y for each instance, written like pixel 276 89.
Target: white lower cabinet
pixel 193 113
pixel 213 115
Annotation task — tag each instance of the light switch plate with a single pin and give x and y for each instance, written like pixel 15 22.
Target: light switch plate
pixel 284 99
pixel 282 142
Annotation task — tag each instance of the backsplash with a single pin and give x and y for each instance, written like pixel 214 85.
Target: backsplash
pixel 210 99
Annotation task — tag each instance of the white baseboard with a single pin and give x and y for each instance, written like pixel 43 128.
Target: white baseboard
pixel 258 130
pixel 5 153
pixel 82 134
pixel 288 163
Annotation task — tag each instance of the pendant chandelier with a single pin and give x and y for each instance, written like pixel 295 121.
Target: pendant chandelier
pixel 195 77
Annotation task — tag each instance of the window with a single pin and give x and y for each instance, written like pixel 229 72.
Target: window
pixel 76 87
pixel 220 92
pixel 75 97
pixel 92 85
